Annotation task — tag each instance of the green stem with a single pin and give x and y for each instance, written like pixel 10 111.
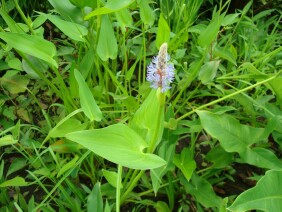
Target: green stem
pixel 131 186
pixel 23 16
pixel 228 96
pixel 126 180
pixel 118 188
pixel 152 146
pixel 161 186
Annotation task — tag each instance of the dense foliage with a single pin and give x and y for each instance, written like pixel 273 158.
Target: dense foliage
pixel 138 105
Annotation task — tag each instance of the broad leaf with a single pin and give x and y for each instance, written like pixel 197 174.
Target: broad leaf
pixel 148 121
pixel 69 125
pixel 124 18
pixel 163 33
pixel 225 53
pixel 95 200
pixel 68 11
pixel 32 45
pixel 261 157
pixel 219 157
pixel 146 12
pixel 236 137
pixel 111 177
pixel 14 82
pixel 87 101
pixel 208 71
pixel 233 136
pixel 230 19
pixel 185 163
pixel 265 196
pixel 73 30
pixel 208 35
pixel 107 43
pixel 203 192
pixel 161 206
pixel 119 144
pixel 37 63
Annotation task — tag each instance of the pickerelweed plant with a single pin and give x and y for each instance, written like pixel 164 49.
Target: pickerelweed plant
pixel 133 145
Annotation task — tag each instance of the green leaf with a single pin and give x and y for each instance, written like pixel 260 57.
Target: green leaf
pixel 209 34
pixel 107 207
pixel 124 17
pixel 15 63
pixel 68 126
pixel 203 191
pixel 163 33
pixel 226 54
pixel 107 43
pixel 265 196
pixel 146 13
pixel 73 30
pixel 219 157
pixel 16 165
pixel 16 181
pixel 13 26
pixel 261 157
pixel 14 82
pixel 245 102
pixel 161 206
pixel 233 136
pixel 111 177
pixel 87 101
pixel 68 166
pixel 166 150
pixel 110 7
pixel 119 144
pixel 95 200
pixel 7 140
pixel 68 11
pixel 276 85
pixel 148 121
pixel 86 64
pixel 208 71
pixel 230 19
pixel 185 163
pixel 246 8
pixel 32 45
pixel 38 63
pixel 84 3
pixel 65 146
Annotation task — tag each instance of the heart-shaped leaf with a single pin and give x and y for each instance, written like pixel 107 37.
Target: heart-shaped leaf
pixel 265 196
pixel 119 144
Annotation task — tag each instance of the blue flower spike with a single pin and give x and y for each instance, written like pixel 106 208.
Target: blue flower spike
pixel 160 73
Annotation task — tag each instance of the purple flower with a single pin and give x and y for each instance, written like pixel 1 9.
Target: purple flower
pixel 160 73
